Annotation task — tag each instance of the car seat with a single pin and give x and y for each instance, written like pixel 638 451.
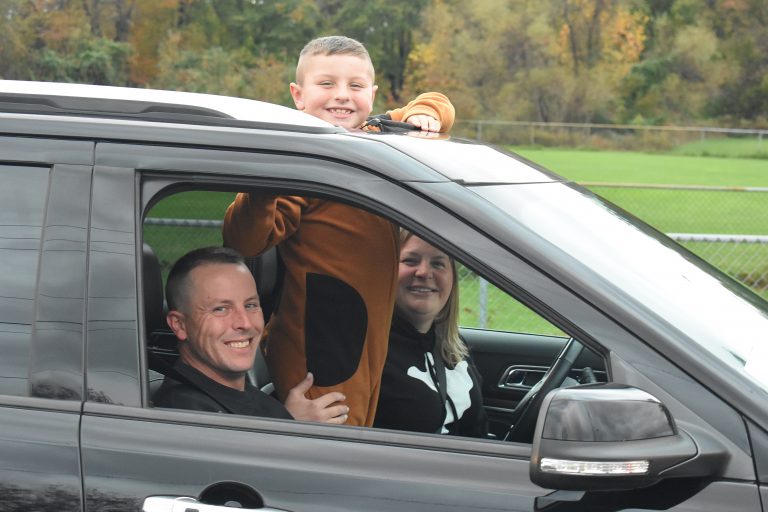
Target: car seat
pixel 267 269
pixel 161 342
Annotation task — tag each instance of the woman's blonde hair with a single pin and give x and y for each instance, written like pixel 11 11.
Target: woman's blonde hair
pixel 452 347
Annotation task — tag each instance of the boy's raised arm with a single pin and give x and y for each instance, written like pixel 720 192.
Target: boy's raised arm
pixel 255 222
pixel 431 104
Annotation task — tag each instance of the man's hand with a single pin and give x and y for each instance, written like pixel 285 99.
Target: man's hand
pixel 325 409
pixel 424 122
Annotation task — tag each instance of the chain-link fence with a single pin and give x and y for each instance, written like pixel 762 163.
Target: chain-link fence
pixel 726 226
pixel 704 139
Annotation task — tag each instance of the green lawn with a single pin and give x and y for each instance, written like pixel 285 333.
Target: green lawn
pixel 501 312
pixel 669 210
pixel 687 211
pixel 744 147
pixel 205 205
pixel 683 211
pixel 171 242
pixel 632 167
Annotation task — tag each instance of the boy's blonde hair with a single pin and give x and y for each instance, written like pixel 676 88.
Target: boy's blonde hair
pixel 332 45
pixel 452 349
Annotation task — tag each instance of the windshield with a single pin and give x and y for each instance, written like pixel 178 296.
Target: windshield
pixel 470 163
pixel 708 308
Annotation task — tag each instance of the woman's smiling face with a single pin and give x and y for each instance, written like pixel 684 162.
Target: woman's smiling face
pixel 424 282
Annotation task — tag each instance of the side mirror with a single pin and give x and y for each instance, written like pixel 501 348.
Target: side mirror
pixel 600 437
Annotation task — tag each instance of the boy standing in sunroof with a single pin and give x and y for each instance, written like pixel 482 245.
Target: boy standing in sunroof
pixel 341 262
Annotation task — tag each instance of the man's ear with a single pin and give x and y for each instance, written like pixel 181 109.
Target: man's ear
pixel 175 321
pixel 296 95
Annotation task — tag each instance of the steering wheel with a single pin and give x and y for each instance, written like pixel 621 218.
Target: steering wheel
pixel 525 414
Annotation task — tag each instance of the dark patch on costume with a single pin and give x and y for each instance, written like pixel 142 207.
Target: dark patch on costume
pixel 335 326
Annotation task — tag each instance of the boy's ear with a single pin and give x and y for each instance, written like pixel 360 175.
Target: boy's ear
pixel 175 320
pixel 296 95
pixel 373 94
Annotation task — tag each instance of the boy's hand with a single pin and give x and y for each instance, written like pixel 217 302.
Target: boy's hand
pixel 424 122
pixel 325 409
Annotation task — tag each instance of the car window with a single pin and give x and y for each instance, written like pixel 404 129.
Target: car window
pixel 511 346
pixel 184 221
pixel 22 211
pixel 484 306
pixel 175 225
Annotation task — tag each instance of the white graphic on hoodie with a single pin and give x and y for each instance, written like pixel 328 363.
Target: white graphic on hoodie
pixel 458 382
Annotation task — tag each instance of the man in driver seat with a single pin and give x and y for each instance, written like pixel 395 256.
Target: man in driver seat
pixel 214 312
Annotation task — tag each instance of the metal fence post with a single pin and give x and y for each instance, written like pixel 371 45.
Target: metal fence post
pixel 483 303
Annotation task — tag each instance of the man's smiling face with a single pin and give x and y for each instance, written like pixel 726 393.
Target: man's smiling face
pixel 336 88
pixel 221 323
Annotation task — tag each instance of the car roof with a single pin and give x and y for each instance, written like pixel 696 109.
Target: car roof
pixel 457 160
pixel 53 98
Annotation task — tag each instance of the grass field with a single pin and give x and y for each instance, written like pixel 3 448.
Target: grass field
pixel 677 211
pixel 683 211
pixel 631 167
pixel 672 210
pixel 205 205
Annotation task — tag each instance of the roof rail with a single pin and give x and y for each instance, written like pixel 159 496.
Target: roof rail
pixel 50 98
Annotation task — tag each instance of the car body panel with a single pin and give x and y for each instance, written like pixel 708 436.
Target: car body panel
pixel 56 349
pixel 40 456
pixel 103 98
pixel 112 360
pixel 187 166
pixel 343 475
pixel 44 150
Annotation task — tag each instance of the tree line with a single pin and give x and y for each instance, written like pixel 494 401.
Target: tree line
pixel 607 61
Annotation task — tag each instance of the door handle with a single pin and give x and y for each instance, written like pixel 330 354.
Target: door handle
pixel 521 377
pixel 189 504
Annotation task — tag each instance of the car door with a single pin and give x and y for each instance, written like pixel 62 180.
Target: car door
pixel 512 362
pixel 43 237
pixel 131 451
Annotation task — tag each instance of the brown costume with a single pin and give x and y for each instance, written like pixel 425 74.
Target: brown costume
pixel 339 286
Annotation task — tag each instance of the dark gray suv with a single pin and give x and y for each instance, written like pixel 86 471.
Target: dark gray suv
pixel 641 383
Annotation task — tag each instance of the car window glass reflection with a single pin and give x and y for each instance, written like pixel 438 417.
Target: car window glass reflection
pixel 22 207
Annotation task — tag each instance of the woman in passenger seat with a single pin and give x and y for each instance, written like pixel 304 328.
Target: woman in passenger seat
pixel 424 343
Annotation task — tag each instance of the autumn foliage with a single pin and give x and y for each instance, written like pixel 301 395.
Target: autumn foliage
pixel 617 61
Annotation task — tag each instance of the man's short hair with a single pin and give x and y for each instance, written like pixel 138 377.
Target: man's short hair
pixel 176 288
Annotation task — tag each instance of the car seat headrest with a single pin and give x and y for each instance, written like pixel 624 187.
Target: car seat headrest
pixel 267 269
pixel 154 314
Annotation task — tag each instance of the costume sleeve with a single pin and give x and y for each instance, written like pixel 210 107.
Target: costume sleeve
pixel 433 104
pixel 255 222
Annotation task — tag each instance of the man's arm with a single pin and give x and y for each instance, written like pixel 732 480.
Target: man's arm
pixel 431 111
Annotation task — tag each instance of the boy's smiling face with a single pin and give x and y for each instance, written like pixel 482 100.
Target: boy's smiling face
pixel 336 88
